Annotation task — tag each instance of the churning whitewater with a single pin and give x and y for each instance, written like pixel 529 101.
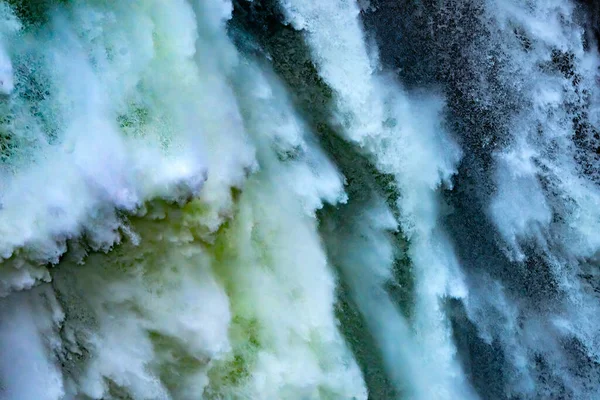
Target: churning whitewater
pixel 299 199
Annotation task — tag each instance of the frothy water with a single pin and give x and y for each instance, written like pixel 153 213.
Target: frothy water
pixel 299 200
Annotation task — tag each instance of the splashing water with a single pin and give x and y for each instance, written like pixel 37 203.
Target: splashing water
pixel 299 200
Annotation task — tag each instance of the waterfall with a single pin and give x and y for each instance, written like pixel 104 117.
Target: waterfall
pixel 291 199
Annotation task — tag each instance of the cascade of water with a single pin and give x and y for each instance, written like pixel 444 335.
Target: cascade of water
pixel 299 200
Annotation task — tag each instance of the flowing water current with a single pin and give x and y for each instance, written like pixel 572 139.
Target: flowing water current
pixel 299 199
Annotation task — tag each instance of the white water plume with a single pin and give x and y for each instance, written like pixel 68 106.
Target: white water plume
pixel 404 138
pixel 182 304
pixel 544 197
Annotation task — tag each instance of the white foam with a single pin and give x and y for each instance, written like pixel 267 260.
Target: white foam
pixel 169 110
pixel 403 137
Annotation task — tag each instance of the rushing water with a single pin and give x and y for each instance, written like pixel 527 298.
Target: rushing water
pixel 299 199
